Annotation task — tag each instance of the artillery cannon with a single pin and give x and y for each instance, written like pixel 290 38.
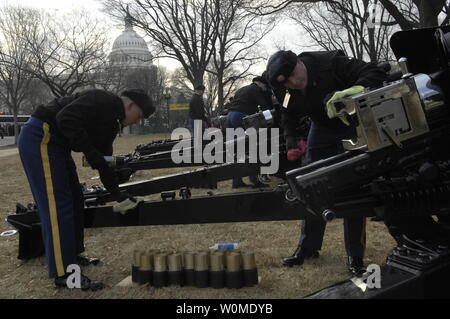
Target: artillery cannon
pixel 398 169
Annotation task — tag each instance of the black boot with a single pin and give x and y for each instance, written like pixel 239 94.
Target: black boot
pixel 86 261
pixel 299 257
pixel 356 266
pixel 85 283
pixel 260 185
pixel 240 185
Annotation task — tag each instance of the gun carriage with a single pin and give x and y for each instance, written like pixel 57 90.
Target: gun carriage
pixel 398 169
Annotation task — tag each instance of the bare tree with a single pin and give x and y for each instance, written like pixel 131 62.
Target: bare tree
pixel 411 14
pixel 211 97
pixel 151 79
pixel 345 27
pixel 179 79
pixel 233 79
pixel 14 58
pixel 408 14
pixel 182 30
pixel 37 93
pixel 68 51
pixel 236 49
pixel 111 78
pixel 218 37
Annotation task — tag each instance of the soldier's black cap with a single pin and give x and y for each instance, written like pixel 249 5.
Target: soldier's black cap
pixel 279 67
pixel 142 100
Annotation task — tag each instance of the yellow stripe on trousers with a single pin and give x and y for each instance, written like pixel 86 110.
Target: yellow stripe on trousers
pixel 51 202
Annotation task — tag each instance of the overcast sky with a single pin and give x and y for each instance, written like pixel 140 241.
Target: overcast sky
pixel 284 34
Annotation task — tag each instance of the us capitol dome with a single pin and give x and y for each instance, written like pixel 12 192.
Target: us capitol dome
pixel 130 49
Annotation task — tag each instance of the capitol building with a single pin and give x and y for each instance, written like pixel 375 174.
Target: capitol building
pixel 131 66
pixel 130 50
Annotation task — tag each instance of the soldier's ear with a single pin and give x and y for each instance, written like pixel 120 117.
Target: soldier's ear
pixel 128 105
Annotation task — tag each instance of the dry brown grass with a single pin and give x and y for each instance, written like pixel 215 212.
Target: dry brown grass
pixel 271 241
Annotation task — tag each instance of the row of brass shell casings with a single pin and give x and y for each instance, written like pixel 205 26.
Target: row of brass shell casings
pixel 216 268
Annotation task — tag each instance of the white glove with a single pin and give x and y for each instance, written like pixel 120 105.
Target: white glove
pixel 127 204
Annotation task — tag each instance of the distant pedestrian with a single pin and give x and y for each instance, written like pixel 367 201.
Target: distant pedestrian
pixel 197 108
pixel 246 102
pixel 2 131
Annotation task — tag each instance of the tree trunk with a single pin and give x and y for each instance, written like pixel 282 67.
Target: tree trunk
pixel 429 11
pixel 372 50
pixel 198 79
pixel 220 93
pixel 16 124
pixel 397 15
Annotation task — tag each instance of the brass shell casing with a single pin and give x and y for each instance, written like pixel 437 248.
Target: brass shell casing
pixel 234 261
pixel 189 260
pixel 201 261
pixel 160 270
pixel 160 262
pixel 146 261
pixel 250 271
pixel 248 260
pixel 216 259
pixel 174 262
pixel 137 257
pixel 175 273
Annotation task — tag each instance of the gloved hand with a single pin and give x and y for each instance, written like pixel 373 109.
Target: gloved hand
pixel 331 109
pixel 108 178
pixel 302 146
pixel 294 154
pixel 95 159
pixel 126 203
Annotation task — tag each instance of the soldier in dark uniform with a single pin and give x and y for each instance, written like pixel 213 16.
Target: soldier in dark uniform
pixel 86 122
pixel 313 81
pixel 197 108
pixel 245 102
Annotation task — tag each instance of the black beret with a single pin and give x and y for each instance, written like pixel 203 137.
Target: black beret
pixel 142 100
pixel 200 87
pixel 280 66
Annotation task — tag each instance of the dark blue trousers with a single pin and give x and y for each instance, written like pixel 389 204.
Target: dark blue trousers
pixel 235 120
pixel 323 143
pixel 57 193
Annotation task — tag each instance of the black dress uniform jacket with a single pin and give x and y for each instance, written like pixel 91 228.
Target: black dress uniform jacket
pixel 85 121
pixel 247 99
pixel 328 71
pixel 197 108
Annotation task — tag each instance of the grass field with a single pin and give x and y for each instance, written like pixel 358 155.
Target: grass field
pixel 271 241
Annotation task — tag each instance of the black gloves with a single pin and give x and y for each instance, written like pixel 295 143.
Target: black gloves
pixel 109 180
pixel 95 159
pixel 107 174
